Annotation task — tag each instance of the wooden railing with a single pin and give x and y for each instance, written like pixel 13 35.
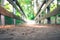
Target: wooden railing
pixel 4 12
pixel 16 5
pixel 53 13
pixel 41 10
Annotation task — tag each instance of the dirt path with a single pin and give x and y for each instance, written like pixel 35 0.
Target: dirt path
pixel 31 32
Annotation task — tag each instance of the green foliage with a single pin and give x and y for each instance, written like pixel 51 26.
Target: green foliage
pixel 43 13
pixel 19 21
pixel 8 20
pixel 17 13
pixel 31 16
pixel 8 6
pixel 53 5
pixel 0 1
pixel 58 0
pixel 27 8
pixel 52 18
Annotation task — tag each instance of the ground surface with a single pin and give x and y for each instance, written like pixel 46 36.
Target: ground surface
pixel 30 32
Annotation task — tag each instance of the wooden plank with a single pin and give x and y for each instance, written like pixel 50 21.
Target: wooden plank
pixel 41 7
pixel 4 12
pixel 46 5
pixel 20 7
pixel 54 12
pixel 17 7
